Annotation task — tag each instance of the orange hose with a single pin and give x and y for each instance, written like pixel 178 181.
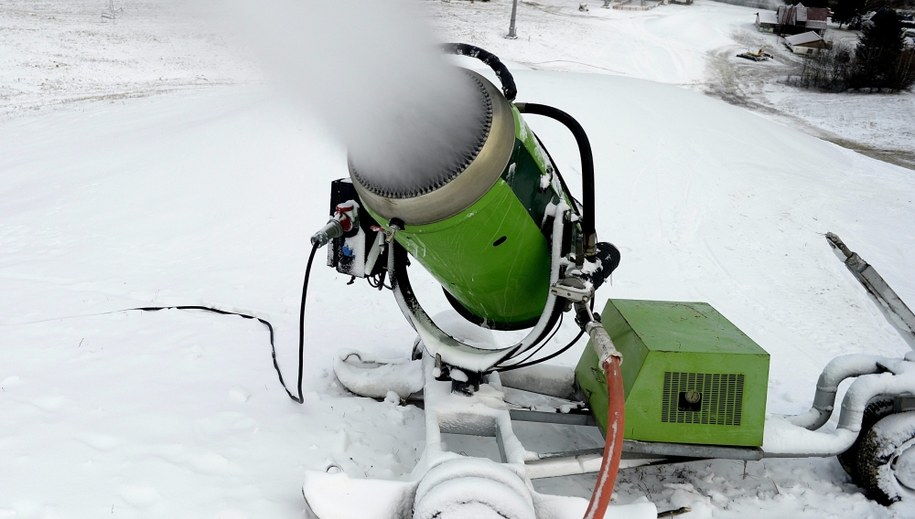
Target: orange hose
pixel 613 448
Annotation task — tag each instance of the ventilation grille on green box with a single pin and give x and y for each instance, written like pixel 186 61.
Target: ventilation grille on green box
pixel 702 398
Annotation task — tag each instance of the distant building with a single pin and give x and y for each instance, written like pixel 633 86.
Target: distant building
pixel 795 19
pixel 766 21
pixel 806 43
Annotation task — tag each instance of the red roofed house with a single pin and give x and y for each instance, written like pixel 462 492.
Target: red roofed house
pixel 795 19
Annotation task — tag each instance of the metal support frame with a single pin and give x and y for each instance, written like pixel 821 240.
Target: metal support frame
pixel 483 413
pixel 465 356
pixel 582 419
pixel 893 307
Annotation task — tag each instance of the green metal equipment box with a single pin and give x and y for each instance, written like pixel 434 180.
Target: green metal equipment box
pixel 690 375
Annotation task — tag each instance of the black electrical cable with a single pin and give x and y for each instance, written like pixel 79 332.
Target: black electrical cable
pixel 555 354
pixel 299 397
pixel 541 345
pixel 544 359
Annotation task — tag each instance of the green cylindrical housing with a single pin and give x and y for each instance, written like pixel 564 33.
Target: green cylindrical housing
pixel 491 258
pixel 480 233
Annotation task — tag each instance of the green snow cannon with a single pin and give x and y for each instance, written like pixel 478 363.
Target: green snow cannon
pixel 476 226
pixel 487 214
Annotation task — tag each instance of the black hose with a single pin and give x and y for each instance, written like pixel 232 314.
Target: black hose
pixel 301 398
pixel 491 60
pixel 400 278
pixel 526 363
pixel 542 345
pixel 587 167
pixel 556 353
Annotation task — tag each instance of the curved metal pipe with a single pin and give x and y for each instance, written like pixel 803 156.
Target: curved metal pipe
pixel 891 383
pixel 838 369
pixel 789 437
pixel 453 351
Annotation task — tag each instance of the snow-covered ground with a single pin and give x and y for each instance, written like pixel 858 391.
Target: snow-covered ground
pixel 112 198
pixel 692 46
pixel 54 52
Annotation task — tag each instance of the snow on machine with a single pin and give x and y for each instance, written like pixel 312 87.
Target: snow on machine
pixel 514 250
pixel 757 55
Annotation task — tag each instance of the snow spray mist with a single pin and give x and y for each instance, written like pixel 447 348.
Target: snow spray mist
pixel 373 75
pixel 437 149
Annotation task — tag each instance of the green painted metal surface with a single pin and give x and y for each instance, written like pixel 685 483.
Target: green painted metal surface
pixel 492 257
pixel 528 156
pixel 690 375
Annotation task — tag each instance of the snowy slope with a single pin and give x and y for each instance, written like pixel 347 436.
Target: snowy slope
pixel 196 199
pixel 692 46
pixel 208 197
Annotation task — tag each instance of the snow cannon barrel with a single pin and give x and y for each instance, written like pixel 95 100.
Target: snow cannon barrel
pixel 476 217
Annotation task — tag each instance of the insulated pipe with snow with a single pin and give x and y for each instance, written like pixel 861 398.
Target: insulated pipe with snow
pixel 838 369
pixel 898 379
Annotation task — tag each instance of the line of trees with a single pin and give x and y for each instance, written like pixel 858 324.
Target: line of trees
pixel 880 62
pixel 850 12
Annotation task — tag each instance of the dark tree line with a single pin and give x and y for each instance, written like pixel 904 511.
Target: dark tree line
pixel 850 12
pixel 880 61
pixel 881 58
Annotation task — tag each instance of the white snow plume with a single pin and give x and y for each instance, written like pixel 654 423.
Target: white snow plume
pixel 375 76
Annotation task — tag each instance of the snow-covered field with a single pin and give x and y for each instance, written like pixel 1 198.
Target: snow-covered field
pixel 692 46
pixel 113 198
